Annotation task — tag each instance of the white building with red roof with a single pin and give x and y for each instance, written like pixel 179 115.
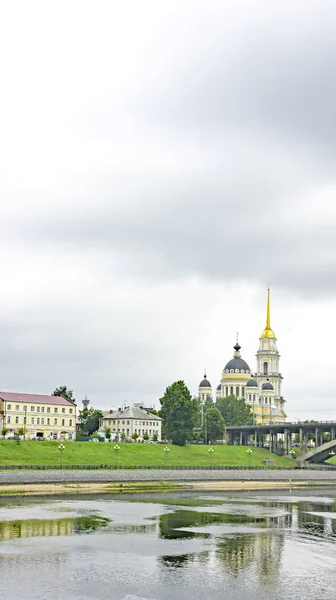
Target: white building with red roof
pixel 40 416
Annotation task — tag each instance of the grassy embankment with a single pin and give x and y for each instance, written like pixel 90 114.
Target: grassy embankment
pixel 86 453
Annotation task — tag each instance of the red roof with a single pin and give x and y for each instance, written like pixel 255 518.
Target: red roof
pixel 35 398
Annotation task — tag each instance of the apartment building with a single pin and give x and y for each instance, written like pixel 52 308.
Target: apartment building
pixel 40 416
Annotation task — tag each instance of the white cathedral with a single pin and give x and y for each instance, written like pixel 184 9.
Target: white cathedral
pixel 261 390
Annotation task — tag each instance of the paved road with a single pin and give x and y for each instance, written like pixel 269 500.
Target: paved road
pixel 21 477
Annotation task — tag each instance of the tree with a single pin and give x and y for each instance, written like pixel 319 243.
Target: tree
pixel 235 411
pixel 155 437
pixel 64 392
pixel 179 413
pixel 108 433
pixel 145 436
pixel 21 431
pixel 89 419
pixel 135 436
pixel 122 435
pixel 4 431
pixel 213 425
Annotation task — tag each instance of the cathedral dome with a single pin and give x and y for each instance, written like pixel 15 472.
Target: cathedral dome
pixel 251 383
pixel 237 363
pixel 267 386
pixel 205 383
pixel 219 387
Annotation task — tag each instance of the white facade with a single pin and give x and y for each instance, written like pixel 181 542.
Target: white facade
pixel 131 420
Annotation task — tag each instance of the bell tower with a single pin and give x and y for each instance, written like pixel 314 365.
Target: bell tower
pixel 268 358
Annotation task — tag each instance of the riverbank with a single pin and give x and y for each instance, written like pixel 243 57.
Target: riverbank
pixel 132 488
pixel 21 454
pixel 86 481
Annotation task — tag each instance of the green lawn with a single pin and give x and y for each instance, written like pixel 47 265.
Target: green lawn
pixel 88 453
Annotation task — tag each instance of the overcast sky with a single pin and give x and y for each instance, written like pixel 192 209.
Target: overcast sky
pixel 160 164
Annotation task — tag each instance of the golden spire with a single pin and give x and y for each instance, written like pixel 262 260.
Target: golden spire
pixel 268 332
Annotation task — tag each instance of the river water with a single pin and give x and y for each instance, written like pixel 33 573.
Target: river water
pixel 274 545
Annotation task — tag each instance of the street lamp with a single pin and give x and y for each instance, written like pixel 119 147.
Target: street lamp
pixel 24 423
pixel 249 452
pixel 210 450
pixel 166 450
pixel 116 450
pixel 61 448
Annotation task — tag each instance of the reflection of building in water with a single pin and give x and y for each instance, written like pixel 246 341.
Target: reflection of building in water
pixel 262 549
pixel 51 527
pixel 269 547
pixel 35 528
pixel 237 552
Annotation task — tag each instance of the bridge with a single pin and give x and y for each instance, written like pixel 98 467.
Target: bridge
pixel 319 454
pixel 248 435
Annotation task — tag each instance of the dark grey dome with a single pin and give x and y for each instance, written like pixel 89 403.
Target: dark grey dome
pixel 219 387
pixel 205 383
pixel 237 363
pixel 251 383
pixel 267 386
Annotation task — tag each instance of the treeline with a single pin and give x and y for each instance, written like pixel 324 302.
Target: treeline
pixel 185 419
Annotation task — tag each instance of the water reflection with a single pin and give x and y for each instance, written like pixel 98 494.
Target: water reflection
pixel 247 545
pixel 50 527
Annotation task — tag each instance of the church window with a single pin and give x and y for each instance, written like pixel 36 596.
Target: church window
pixel 231 390
pixel 265 368
pixel 237 392
pixel 227 390
pixel 237 370
pixel 242 371
pixel 231 371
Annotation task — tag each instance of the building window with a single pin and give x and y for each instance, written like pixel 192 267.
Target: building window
pixel 63 410
pixel 231 390
pixel 32 408
pixel 265 368
pixel 33 420
pixel 9 407
pixel 17 407
pixel 25 420
pixel 16 419
pixel 237 392
pixel 48 409
pixel 55 410
pixel 42 421
pixel 42 408
pixel 8 419
pixel 70 411
pixel 55 421
pixel 70 423
pixel 48 421
pixel 38 409
pixel 63 422
pixel 37 421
